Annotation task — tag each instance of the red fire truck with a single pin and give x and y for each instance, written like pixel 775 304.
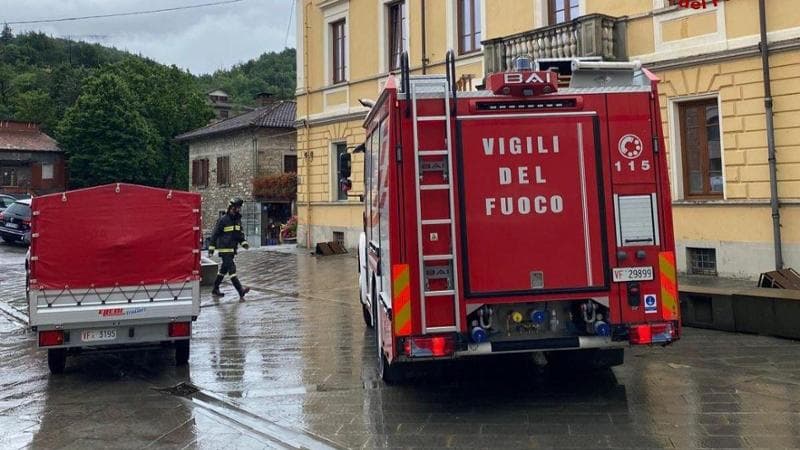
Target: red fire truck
pixel 531 216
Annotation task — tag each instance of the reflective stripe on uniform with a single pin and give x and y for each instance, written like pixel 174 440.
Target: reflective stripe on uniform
pixel 233 275
pixel 237 227
pixel 225 250
pixel 211 247
pixel 229 228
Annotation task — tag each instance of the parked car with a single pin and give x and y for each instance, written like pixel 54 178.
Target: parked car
pixel 15 222
pixel 6 201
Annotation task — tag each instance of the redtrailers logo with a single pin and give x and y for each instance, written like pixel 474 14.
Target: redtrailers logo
pixel 118 312
pixel 522 175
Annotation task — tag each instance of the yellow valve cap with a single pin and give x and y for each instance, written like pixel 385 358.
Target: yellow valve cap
pixel 516 316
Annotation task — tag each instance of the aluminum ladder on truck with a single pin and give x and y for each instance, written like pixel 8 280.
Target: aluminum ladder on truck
pixel 431 266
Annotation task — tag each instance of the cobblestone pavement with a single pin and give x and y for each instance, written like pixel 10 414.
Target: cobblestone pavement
pixel 294 367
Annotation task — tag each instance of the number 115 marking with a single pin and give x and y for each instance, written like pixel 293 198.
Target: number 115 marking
pixel 645 165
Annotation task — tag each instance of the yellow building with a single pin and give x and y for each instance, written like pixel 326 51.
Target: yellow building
pixel 712 97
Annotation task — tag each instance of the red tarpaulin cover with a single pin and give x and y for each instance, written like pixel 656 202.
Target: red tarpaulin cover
pixel 117 234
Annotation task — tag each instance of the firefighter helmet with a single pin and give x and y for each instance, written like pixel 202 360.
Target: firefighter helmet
pixel 237 202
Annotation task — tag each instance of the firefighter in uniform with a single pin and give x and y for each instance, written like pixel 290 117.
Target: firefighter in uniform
pixel 227 237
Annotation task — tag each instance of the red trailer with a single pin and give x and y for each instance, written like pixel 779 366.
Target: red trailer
pixel 526 217
pixel 114 266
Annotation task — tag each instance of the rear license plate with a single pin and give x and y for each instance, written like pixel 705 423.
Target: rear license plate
pixel 12 225
pixel 622 274
pixel 108 334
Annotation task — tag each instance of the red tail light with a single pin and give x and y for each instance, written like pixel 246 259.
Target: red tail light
pixel 641 335
pixel 180 329
pixel 652 333
pixel 424 346
pixel 50 338
pixel 2 216
pixel 27 222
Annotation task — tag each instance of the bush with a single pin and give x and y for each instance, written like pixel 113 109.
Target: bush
pixel 276 187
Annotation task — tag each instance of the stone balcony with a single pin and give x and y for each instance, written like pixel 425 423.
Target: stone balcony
pixel 594 35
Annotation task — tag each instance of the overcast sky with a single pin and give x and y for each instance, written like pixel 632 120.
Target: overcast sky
pixel 201 40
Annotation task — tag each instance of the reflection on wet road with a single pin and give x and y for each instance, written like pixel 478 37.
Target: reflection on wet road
pixel 294 367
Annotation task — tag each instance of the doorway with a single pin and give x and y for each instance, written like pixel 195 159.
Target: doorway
pixel 273 215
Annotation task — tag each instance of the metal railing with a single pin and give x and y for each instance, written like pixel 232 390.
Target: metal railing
pixel 590 35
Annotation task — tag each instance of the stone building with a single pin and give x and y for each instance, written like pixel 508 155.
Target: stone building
pixel 30 160
pixel 225 157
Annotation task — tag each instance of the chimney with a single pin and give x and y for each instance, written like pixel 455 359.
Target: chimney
pixel 264 99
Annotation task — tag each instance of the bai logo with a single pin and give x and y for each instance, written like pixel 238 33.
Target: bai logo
pixel 697 4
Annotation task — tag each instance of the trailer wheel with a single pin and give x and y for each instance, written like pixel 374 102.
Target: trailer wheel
pixel 182 352
pixel 391 373
pixel 587 359
pixel 57 360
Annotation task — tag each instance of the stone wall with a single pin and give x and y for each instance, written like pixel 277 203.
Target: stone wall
pixel 251 151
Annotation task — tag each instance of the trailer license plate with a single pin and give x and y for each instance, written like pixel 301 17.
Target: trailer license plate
pixel 108 334
pixel 622 274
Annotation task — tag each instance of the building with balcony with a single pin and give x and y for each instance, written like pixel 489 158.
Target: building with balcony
pixel 707 54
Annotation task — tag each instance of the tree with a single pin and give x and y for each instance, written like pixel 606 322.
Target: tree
pixel 170 100
pixel 105 139
pixel 35 106
pixel 6 35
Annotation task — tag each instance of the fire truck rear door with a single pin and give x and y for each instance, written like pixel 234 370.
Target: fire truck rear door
pixel 532 207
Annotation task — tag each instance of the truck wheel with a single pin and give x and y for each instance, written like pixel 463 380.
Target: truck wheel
pixel 586 360
pixel 182 352
pixel 391 373
pixel 57 360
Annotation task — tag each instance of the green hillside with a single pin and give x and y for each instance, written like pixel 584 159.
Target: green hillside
pixel 116 114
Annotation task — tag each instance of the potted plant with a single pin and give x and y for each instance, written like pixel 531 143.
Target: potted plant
pixel 289 231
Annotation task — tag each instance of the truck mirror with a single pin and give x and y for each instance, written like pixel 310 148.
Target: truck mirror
pixel 344 165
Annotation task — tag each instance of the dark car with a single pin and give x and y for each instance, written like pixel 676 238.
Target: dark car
pixel 15 222
pixel 6 201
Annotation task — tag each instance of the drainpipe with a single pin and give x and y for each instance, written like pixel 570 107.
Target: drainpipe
pixel 424 52
pixel 773 177
pixel 308 155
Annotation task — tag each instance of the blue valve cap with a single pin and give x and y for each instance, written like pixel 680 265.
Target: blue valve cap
pixel 479 335
pixel 538 317
pixel 602 329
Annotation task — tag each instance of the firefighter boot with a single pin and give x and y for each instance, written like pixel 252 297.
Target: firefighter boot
pixel 238 285
pixel 217 282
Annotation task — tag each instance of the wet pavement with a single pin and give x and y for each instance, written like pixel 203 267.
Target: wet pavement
pixel 294 367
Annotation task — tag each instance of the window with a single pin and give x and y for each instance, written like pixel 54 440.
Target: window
pixel 338 51
pixel 47 171
pixel 338 237
pixel 338 150
pixel 290 163
pixel 701 149
pixel 397 36
pixel 564 10
pixel 200 173
pixel 469 26
pixel 224 170
pixel 223 113
pixel 9 176
pixel 702 261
